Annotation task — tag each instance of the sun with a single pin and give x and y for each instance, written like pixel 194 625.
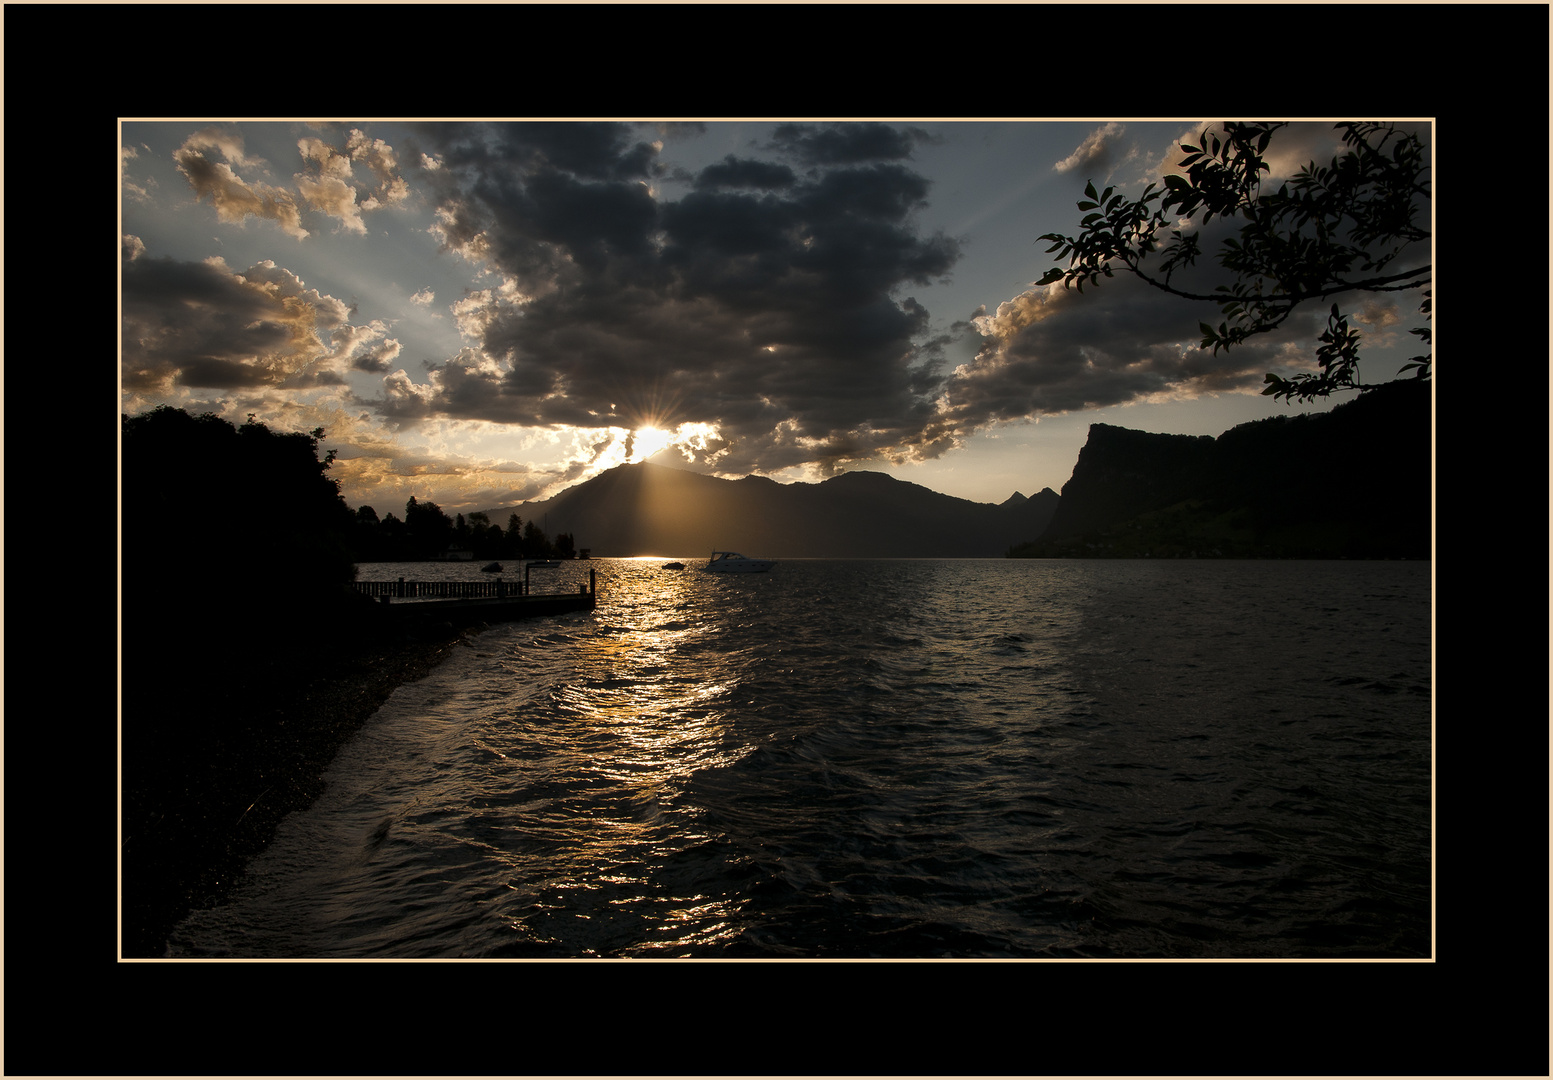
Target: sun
pixel 647 441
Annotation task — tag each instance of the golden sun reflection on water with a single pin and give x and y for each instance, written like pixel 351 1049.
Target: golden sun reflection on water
pixel 666 715
pixel 649 697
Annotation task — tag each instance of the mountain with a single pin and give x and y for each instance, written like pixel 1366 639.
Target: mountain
pixel 1353 482
pixel 646 509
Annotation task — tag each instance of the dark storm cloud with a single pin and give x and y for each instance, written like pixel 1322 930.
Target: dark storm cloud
pixel 762 302
pixel 844 144
pixel 1051 351
pixel 202 325
pixel 589 151
pixel 1055 350
pixel 734 172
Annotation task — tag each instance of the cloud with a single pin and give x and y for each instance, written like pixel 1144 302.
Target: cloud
pixel 200 324
pixel 844 144
pixel 139 192
pixel 329 190
pixel 764 305
pixel 331 186
pixel 234 199
pixel 1095 152
pixel 327 183
pixel 764 314
pixel 1053 350
pixel 733 172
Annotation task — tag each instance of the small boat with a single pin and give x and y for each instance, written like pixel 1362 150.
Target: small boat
pixel 491 568
pixel 674 566
pixel 543 564
pixel 731 562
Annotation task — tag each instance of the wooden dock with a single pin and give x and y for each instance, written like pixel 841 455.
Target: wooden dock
pixel 475 601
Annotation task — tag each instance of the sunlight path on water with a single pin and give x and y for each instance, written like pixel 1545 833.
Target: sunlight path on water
pixel 885 758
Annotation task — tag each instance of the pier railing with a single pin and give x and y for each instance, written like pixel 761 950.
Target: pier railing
pixel 440 590
pixel 455 590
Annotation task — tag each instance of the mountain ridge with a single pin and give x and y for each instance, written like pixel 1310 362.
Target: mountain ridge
pixel 647 509
pixel 1353 482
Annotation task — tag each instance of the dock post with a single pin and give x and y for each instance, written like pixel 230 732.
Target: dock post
pixel 400 593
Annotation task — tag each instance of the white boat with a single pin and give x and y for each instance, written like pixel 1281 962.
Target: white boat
pixel 731 562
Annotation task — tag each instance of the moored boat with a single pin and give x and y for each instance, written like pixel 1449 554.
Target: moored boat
pixel 731 562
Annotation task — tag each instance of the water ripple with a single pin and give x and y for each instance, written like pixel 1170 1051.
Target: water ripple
pixel 912 758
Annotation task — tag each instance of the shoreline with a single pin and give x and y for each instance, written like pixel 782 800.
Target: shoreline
pixel 207 772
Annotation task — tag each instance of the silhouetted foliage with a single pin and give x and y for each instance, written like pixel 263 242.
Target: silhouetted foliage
pixel 204 503
pixel 1350 227
pixel 427 533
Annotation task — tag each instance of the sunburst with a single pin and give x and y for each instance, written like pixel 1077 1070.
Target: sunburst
pixel 647 441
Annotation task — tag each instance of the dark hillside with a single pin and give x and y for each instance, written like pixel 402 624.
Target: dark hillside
pixel 1351 483
pixel 648 509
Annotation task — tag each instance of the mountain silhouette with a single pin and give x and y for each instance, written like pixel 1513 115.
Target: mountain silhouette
pixel 647 509
pixel 1350 483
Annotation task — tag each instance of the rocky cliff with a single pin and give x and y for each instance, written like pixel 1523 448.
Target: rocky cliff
pixel 1354 482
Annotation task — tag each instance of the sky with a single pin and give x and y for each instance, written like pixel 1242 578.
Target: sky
pixel 480 314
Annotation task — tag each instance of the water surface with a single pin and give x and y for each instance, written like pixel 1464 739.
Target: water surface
pixel 885 758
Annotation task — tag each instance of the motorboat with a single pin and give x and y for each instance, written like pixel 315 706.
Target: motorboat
pixel 491 568
pixel 674 566
pixel 543 564
pixel 731 562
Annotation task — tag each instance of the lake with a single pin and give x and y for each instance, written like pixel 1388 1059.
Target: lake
pixel 885 759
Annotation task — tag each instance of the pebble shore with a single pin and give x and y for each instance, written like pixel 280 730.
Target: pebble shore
pixel 213 756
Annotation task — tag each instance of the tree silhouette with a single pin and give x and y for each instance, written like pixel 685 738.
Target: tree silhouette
pixel 428 529
pixel 204 502
pixel 1350 227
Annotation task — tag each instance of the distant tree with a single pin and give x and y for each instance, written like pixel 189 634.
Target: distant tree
pixel 512 540
pixel 367 536
pixel 1350 227
pixel 428 530
pixel 484 538
pixel 535 544
pixel 395 544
